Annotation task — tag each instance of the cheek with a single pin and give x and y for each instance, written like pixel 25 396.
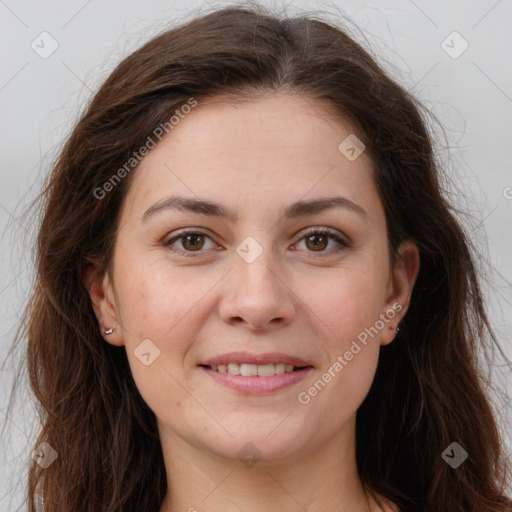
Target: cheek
pixel 342 387
pixel 167 306
pixel 163 307
pixel 351 350
pixel 343 302
pixel 157 299
pixel 346 306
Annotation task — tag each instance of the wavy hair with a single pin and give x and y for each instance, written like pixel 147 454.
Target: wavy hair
pixel 429 389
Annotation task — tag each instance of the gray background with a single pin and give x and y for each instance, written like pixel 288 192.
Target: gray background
pixel 40 98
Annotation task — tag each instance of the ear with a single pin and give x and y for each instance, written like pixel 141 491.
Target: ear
pixel 401 283
pixel 99 286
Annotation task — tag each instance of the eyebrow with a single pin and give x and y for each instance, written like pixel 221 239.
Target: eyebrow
pixel 295 210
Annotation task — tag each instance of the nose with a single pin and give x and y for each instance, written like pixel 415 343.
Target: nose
pixel 257 296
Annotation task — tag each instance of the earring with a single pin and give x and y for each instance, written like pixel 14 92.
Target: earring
pixel 108 331
pixel 397 329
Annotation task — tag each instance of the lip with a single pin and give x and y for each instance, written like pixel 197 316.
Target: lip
pixel 255 385
pixel 258 385
pixel 247 357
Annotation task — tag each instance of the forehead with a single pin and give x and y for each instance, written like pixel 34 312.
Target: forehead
pixel 273 122
pixel 248 154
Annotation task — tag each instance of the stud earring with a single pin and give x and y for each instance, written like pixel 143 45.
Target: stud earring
pixel 108 331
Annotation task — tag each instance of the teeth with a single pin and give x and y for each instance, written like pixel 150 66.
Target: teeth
pixel 280 368
pixel 265 370
pixel 253 370
pixel 234 369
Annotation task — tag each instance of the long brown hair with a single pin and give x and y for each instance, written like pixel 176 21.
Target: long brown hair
pixel 429 389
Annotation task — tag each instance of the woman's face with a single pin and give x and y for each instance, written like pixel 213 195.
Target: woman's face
pixel 250 282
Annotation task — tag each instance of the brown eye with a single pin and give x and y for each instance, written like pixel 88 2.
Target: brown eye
pixel 318 242
pixel 189 242
pixel 192 242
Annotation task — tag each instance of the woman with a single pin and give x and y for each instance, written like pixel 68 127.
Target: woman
pixel 251 292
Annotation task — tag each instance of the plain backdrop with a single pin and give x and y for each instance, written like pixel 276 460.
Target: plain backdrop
pixel 454 55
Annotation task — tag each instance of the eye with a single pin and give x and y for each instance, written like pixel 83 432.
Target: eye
pixel 191 241
pixel 317 240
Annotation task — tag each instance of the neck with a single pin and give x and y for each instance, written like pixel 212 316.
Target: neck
pixel 324 478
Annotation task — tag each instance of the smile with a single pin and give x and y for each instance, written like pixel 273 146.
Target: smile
pixel 254 370
pixel 254 379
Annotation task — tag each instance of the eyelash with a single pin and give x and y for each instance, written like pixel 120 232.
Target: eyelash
pixel 313 231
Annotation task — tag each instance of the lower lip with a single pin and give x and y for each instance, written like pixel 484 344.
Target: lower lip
pixel 258 385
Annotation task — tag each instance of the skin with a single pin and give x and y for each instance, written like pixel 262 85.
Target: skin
pixel 255 157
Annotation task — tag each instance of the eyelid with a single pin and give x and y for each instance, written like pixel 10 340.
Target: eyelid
pixel 183 233
pixel 333 234
pixel 341 238
pixel 321 230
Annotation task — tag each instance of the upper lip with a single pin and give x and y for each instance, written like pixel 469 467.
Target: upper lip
pixel 247 357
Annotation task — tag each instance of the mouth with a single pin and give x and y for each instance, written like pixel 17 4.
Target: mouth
pixel 255 370
pixel 251 374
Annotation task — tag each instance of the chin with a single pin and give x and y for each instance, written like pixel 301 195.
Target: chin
pixel 262 445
